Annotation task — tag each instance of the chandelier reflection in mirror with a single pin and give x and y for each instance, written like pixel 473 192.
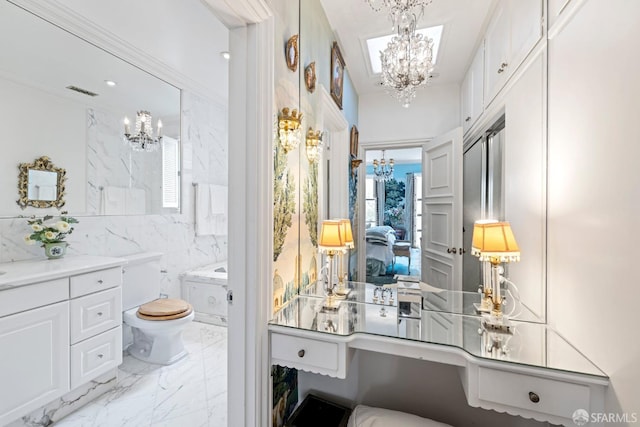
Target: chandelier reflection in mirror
pixel 381 170
pixel 313 142
pixel 289 129
pixel 407 61
pixel 143 139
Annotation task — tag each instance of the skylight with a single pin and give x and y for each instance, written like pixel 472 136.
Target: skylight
pixel 378 44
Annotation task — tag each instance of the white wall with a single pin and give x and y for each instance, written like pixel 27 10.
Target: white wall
pixel 594 191
pixel 434 111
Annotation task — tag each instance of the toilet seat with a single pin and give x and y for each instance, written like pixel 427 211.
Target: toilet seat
pixel 164 309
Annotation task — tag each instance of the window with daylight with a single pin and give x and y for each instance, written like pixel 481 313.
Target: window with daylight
pixel 170 173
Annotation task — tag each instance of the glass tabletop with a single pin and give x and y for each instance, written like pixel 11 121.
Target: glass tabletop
pixel 526 343
pixel 428 297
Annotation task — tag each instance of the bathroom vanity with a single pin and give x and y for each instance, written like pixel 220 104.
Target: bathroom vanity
pixel 529 370
pixel 60 328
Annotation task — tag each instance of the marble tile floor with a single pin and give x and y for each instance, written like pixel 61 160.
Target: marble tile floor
pixel 192 392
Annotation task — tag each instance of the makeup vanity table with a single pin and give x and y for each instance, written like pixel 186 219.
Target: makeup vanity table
pixel 532 371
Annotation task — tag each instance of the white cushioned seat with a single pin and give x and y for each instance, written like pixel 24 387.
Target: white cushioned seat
pixel 366 416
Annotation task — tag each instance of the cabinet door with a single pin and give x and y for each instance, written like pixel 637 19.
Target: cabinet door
pixel 467 95
pixel 477 84
pixel 496 52
pixel 34 360
pixel 526 28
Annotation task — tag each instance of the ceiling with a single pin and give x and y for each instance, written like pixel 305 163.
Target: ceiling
pixel 353 22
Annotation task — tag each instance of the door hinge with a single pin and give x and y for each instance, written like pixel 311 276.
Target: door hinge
pixel 230 296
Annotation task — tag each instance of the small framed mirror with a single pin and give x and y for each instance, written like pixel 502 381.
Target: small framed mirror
pixel 41 184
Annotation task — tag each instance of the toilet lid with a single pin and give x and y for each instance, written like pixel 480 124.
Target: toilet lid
pixel 164 309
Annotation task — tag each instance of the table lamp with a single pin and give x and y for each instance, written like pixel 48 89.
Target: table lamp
pixel 494 242
pixel 331 242
pixel 342 291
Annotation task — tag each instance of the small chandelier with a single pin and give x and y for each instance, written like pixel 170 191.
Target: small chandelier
pixel 407 63
pixel 289 129
pixel 381 170
pixel 313 142
pixel 398 8
pixel 143 139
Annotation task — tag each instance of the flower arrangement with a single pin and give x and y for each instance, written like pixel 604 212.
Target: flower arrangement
pixel 48 229
pixel 394 216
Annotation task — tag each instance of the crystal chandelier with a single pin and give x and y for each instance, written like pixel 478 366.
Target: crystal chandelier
pixel 407 62
pixel 381 170
pixel 289 129
pixel 143 139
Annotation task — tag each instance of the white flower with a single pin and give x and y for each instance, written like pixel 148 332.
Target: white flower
pixel 63 226
pixel 50 235
pixel 28 240
pixel 36 227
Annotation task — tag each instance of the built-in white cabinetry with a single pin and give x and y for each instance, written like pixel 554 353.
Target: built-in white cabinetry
pixel 34 359
pixel 60 327
pixel 513 31
pixel 473 90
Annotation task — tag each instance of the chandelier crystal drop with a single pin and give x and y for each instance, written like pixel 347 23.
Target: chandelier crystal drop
pixel 143 139
pixel 382 170
pixel 396 7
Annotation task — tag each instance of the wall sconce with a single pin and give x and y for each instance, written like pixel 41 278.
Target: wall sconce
pixel 143 139
pixel 494 242
pixel 289 129
pixel 331 242
pixel 313 141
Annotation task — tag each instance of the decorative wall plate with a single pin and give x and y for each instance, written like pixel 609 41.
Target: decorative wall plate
pixel 292 53
pixel 310 77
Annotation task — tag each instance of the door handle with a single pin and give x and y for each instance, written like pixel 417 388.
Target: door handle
pixel 452 250
pixel 462 251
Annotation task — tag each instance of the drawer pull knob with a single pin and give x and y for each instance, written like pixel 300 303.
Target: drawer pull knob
pixel 100 356
pixel 301 353
pixel 534 397
pixel 99 313
pixel 100 281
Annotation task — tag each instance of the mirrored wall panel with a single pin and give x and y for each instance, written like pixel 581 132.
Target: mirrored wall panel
pixel 113 127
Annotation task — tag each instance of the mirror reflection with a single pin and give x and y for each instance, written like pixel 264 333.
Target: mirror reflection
pixel 65 97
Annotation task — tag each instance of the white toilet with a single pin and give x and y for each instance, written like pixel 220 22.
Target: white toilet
pixel 156 324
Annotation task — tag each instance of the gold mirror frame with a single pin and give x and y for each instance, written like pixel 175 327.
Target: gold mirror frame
pixel 42 164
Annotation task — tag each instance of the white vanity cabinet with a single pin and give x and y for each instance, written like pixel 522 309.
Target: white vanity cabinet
pixel 60 327
pixel 513 31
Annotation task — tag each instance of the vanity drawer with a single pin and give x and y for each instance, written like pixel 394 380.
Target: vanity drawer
pixel 304 353
pixel 95 356
pixel 22 298
pixel 555 397
pixel 95 313
pixel 84 284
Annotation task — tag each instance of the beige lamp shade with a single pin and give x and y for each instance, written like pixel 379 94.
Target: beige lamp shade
pixel 347 233
pixel 331 236
pixel 494 241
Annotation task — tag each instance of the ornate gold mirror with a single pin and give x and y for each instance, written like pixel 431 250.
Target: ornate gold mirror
pixel 41 184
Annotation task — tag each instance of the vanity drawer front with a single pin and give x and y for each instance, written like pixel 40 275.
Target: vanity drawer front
pixel 555 397
pixel 84 284
pixel 22 298
pixel 95 313
pixel 95 356
pixel 304 353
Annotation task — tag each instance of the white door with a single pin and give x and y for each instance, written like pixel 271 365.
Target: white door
pixel 442 216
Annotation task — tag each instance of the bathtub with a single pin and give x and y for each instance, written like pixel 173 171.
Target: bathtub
pixel 205 288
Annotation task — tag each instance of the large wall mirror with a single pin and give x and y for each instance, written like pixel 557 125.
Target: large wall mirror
pixel 67 99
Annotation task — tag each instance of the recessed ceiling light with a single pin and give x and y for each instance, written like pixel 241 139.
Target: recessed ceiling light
pixel 225 54
pixel 110 83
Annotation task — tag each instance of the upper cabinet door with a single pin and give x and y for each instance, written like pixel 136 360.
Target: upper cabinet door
pixel 467 95
pixel 473 90
pixel 526 28
pixel 513 31
pixel 496 51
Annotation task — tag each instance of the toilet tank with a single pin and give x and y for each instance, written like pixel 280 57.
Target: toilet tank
pixel 140 279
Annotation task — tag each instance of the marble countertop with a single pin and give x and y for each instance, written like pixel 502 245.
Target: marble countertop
pixel 21 273
pixel 211 271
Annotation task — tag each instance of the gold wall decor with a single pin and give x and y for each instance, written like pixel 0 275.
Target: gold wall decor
pixel 337 74
pixel 41 184
pixel 310 77
pixel 292 53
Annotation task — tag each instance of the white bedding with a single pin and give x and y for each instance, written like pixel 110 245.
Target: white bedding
pixel 366 416
pixel 378 251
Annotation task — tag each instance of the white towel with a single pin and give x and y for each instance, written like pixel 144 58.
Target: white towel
pixel 211 210
pixel 135 201
pixel 115 201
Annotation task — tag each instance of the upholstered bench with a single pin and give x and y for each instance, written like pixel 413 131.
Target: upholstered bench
pixel 366 416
